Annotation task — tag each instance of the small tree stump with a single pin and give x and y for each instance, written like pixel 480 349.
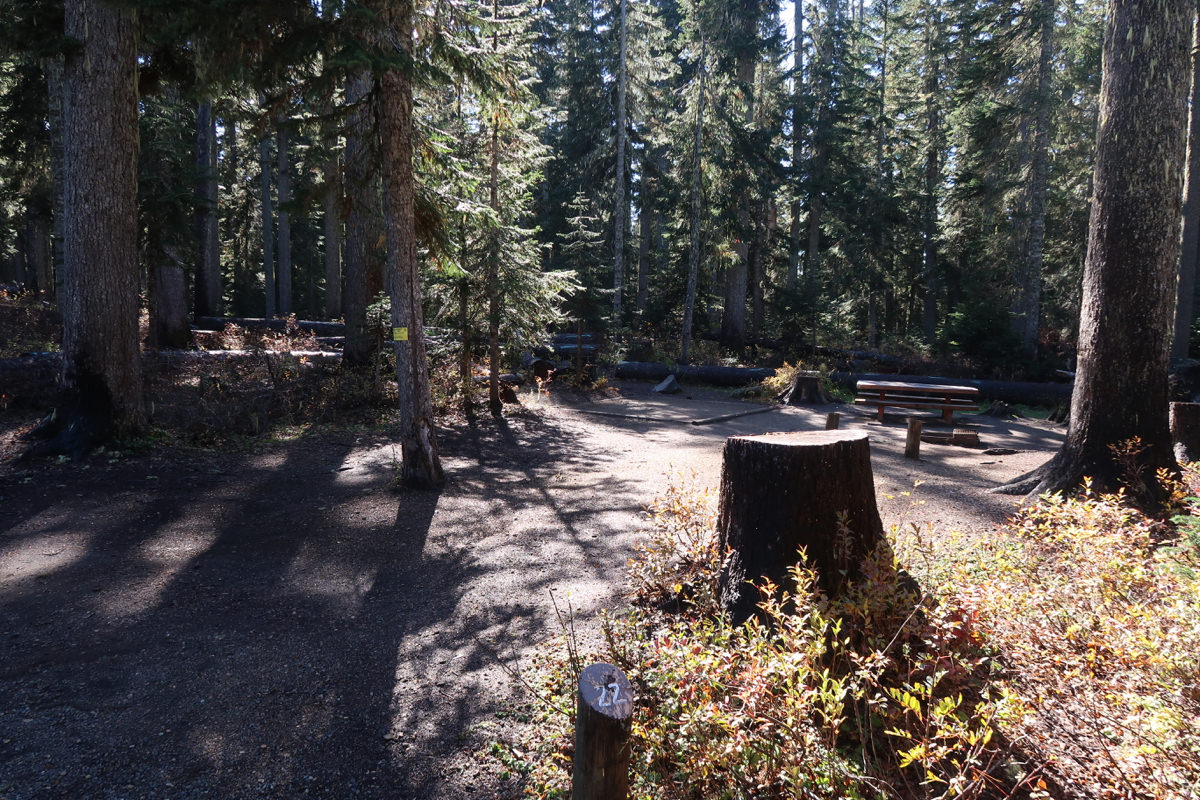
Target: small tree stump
pixel 604 710
pixel 832 420
pixel 1185 431
pixel 806 388
pixel 912 444
pixel 784 491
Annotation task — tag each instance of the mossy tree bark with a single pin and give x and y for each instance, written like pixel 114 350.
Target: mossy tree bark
pixel 1133 245
pixel 363 257
pixel 283 185
pixel 1185 313
pixel 421 466
pixel 1185 430
pixel 267 214
pixel 784 491
pixel 208 272
pixel 101 356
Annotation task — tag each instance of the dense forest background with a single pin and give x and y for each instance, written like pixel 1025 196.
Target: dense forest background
pixel 904 175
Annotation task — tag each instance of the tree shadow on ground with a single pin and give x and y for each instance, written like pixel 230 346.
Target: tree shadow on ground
pixel 279 623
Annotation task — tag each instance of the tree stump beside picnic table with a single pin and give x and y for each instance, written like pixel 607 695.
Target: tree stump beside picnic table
pixel 805 388
pixel 899 394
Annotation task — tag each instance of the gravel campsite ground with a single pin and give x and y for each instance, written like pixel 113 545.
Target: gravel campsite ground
pixel 281 622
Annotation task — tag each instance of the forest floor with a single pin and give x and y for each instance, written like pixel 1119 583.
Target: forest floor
pixel 280 621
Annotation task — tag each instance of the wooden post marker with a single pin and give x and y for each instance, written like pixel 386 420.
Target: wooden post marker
pixel 832 419
pixel 604 710
pixel 1185 431
pixel 784 491
pixel 912 445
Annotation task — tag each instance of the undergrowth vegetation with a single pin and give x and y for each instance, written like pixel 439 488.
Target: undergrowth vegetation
pixel 1059 657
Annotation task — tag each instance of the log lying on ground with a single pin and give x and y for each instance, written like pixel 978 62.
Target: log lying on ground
pixel 1027 392
pixel 320 327
pixel 718 376
pixel 784 491
pixel 822 351
pixel 188 357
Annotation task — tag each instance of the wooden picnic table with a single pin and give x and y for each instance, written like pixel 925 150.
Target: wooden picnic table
pixel 899 394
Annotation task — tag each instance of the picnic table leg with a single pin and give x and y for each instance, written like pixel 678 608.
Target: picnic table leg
pixel 879 414
pixel 947 412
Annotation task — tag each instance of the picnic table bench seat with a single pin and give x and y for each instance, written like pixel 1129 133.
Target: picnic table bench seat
pixel 899 394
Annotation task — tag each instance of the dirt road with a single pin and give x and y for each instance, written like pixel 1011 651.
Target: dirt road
pixel 282 623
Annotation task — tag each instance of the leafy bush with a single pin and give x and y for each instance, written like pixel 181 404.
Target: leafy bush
pixel 1059 656
pixel 1099 627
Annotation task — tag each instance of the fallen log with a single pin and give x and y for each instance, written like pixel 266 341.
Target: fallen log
pixel 324 328
pixel 802 349
pixel 717 376
pixel 190 357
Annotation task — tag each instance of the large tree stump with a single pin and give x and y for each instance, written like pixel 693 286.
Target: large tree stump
pixel 784 491
pixel 806 388
pixel 1185 431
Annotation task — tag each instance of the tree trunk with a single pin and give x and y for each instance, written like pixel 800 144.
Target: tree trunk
pixel 464 355
pixel 495 389
pixel 1185 431
pixel 168 304
pixel 733 320
pixel 1185 305
pixel 495 404
pixel 284 191
pixel 332 211
pixel 363 255
pixel 784 491
pixel 100 148
pixel 333 235
pixel 37 243
pixel 208 271
pixel 689 302
pixel 793 274
pixel 16 268
pixel 1026 308
pixel 421 466
pixel 646 231
pixel 820 93
pixel 268 234
pixel 361 220
pixel 933 173
pixel 1125 328
pixel 620 204
pixel 55 97
pixel 884 177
